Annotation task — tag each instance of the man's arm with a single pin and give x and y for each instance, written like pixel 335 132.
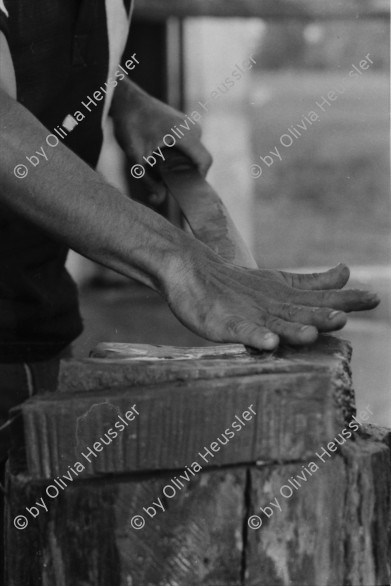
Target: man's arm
pixel 69 200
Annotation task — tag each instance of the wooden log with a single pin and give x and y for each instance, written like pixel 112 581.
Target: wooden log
pixel 296 400
pixel 86 539
pixel 332 531
pixel 303 9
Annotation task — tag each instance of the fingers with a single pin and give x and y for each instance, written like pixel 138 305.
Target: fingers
pixel 267 338
pixel 324 319
pixel 322 290
pixel 200 156
pixel 250 334
pixel 346 300
pixel 292 333
pixel 334 278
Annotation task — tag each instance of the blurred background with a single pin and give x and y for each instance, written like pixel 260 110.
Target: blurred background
pixel 326 201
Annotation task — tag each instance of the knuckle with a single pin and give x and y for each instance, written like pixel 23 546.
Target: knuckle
pixel 285 292
pixel 197 128
pixel 232 325
pixel 326 296
pixel 238 328
pixel 273 322
pixel 290 311
pixel 287 278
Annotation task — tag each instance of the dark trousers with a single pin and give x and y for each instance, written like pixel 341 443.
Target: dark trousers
pixel 19 382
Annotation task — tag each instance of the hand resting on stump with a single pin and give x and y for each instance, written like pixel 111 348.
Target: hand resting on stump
pixel 260 308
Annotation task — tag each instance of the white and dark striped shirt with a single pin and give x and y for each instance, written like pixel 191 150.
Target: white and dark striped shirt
pixel 62 51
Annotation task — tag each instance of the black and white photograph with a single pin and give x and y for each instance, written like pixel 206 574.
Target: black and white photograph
pixel 195 282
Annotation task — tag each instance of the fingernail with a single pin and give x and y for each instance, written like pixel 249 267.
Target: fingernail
pixel 304 328
pixel 333 314
pixel 269 336
pixel 370 296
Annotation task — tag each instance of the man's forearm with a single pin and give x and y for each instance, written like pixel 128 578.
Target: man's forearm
pixel 73 203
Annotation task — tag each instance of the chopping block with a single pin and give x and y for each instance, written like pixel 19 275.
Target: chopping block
pixel 216 466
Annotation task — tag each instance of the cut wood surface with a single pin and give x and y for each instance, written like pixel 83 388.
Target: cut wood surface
pixel 279 408
pixel 118 364
pixel 332 531
pixel 158 10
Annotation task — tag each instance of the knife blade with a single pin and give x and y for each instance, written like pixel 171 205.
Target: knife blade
pixel 203 209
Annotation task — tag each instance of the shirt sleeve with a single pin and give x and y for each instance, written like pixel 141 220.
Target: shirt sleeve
pixel 7 71
pixel 4 20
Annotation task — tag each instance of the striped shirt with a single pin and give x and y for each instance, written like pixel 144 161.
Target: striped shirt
pixel 62 52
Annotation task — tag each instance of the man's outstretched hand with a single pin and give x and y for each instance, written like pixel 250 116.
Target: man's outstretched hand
pixel 218 300
pixel 259 308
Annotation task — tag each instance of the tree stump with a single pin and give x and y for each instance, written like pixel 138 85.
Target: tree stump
pixel 157 466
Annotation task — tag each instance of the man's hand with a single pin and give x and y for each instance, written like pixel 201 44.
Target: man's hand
pixel 141 122
pixel 260 308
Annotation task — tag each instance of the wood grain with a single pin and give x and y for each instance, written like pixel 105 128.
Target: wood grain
pixel 86 538
pixel 334 530
pixel 331 532
pixel 299 402
pixel 294 413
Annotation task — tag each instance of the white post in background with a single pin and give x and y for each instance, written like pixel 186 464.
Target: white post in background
pixel 215 48
pixel 111 166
